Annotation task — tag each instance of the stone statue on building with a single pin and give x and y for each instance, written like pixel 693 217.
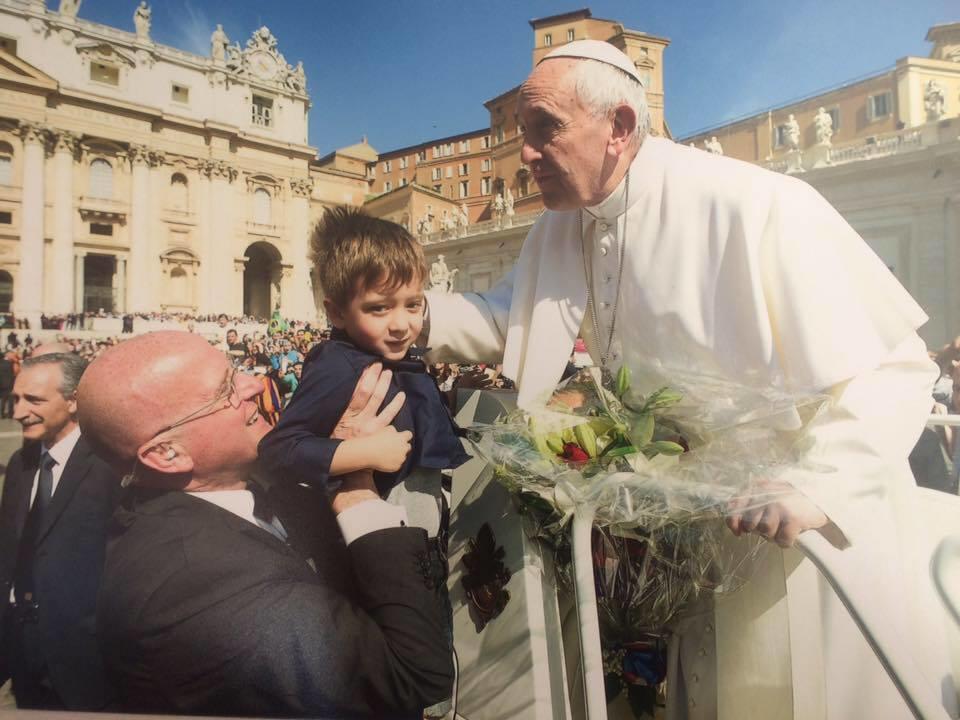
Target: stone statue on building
pixel 141 20
pixel 448 223
pixel 713 146
pixel 218 44
pixel 463 219
pixel 934 100
pixel 297 78
pixel 441 277
pixel 508 206
pixel 823 126
pixel 498 208
pixel 69 8
pixel 234 57
pixel 792 132
pixel 425 225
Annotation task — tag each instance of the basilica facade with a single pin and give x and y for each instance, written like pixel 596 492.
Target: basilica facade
pixel 138 177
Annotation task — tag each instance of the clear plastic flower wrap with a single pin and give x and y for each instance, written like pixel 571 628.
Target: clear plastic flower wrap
pixel 661 472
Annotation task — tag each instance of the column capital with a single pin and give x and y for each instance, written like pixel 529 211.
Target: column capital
pixel 240 264
pixel 301 187
pixel 143 155
pixel 217 169
pixel 33 133
pixel 65 141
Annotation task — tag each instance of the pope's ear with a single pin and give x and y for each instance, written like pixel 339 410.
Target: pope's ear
pixel 624 128
pixel 166 457
pixel 334 313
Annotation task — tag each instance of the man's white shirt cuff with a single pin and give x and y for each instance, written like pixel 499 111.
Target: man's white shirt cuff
pixel 370 516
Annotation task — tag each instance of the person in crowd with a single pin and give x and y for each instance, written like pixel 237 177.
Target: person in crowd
pixel 57 501
pixel 7 376
pixel 664 256
pixel 214 602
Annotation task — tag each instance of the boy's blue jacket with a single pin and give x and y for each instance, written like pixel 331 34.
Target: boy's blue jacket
pixel 300 444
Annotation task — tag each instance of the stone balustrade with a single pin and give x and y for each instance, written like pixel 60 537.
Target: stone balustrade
pixel 481 228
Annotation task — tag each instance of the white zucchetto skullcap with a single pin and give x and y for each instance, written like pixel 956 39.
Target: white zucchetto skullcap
pixel 596 50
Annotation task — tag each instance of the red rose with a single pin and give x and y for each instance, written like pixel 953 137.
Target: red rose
pixel 574 454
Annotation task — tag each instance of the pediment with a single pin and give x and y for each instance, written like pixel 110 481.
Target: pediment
pixel 14 69
pixel 105 52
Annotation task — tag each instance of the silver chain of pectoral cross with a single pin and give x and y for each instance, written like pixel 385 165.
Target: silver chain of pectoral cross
pixel 588 272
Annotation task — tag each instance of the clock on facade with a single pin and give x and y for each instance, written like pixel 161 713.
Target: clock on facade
pixel 263 65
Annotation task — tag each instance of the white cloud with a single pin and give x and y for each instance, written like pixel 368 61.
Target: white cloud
pixel 193 29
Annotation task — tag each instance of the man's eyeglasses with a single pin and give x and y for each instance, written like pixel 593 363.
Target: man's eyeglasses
pixel 227 396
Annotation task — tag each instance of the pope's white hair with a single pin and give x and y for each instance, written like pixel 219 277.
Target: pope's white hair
pixel 602 87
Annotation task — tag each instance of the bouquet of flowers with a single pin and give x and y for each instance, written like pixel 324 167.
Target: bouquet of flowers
pixel 660 465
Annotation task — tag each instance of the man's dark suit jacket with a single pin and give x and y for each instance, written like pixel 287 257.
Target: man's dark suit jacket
pixel 203 612
pixel 68 561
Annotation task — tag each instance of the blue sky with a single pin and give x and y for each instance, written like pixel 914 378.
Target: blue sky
pixel 406 71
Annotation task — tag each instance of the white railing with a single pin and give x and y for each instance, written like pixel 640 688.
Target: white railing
pixel 482 228
pixel 880 146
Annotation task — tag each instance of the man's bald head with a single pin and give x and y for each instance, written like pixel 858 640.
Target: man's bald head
pixel 136 388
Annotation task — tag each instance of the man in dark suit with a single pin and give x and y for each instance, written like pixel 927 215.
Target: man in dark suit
pixel 57 500
pixel 211 604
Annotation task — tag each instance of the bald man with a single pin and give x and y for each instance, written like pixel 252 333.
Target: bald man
pixel 211 604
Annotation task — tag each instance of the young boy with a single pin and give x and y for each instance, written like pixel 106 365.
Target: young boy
pixel 372 272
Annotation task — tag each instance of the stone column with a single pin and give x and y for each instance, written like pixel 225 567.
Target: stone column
pixel 205 220
pixel 78 263
pixel 121 299
pixel 29 288
pixel 62 295
pixel 140 160
pixel 224 297
pixel 235 286
pixel 300 303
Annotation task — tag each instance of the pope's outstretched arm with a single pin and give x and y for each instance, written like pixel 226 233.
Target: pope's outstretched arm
pixel 469 327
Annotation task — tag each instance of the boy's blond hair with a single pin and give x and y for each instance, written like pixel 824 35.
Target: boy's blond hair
pixel 354 252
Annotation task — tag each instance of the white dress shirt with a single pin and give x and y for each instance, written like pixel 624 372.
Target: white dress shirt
pixel 365 517
pixel 60 453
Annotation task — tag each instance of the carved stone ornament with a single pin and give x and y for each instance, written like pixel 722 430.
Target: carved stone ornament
pixel 301 187
pixel 486 578
pixel 65 141
pixel 31 132
pixel 217 168
pixel 262 62
pixel 142 155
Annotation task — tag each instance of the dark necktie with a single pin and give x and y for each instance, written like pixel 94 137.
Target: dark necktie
pixel 23 580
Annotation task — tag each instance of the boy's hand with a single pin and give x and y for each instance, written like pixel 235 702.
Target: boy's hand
pixel 388 449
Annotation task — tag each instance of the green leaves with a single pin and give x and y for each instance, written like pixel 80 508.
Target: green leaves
pixel 623 381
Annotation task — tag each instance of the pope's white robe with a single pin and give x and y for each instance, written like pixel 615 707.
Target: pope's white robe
pixel 732 270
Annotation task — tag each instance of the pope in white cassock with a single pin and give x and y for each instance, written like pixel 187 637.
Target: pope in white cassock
pixel 658 253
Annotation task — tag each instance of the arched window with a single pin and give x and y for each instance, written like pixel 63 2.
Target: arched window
pixel 6 164
pixel 101 179
pixel 261 206
pixel 179 199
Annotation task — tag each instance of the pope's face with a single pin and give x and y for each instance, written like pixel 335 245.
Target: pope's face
pixel 563 143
